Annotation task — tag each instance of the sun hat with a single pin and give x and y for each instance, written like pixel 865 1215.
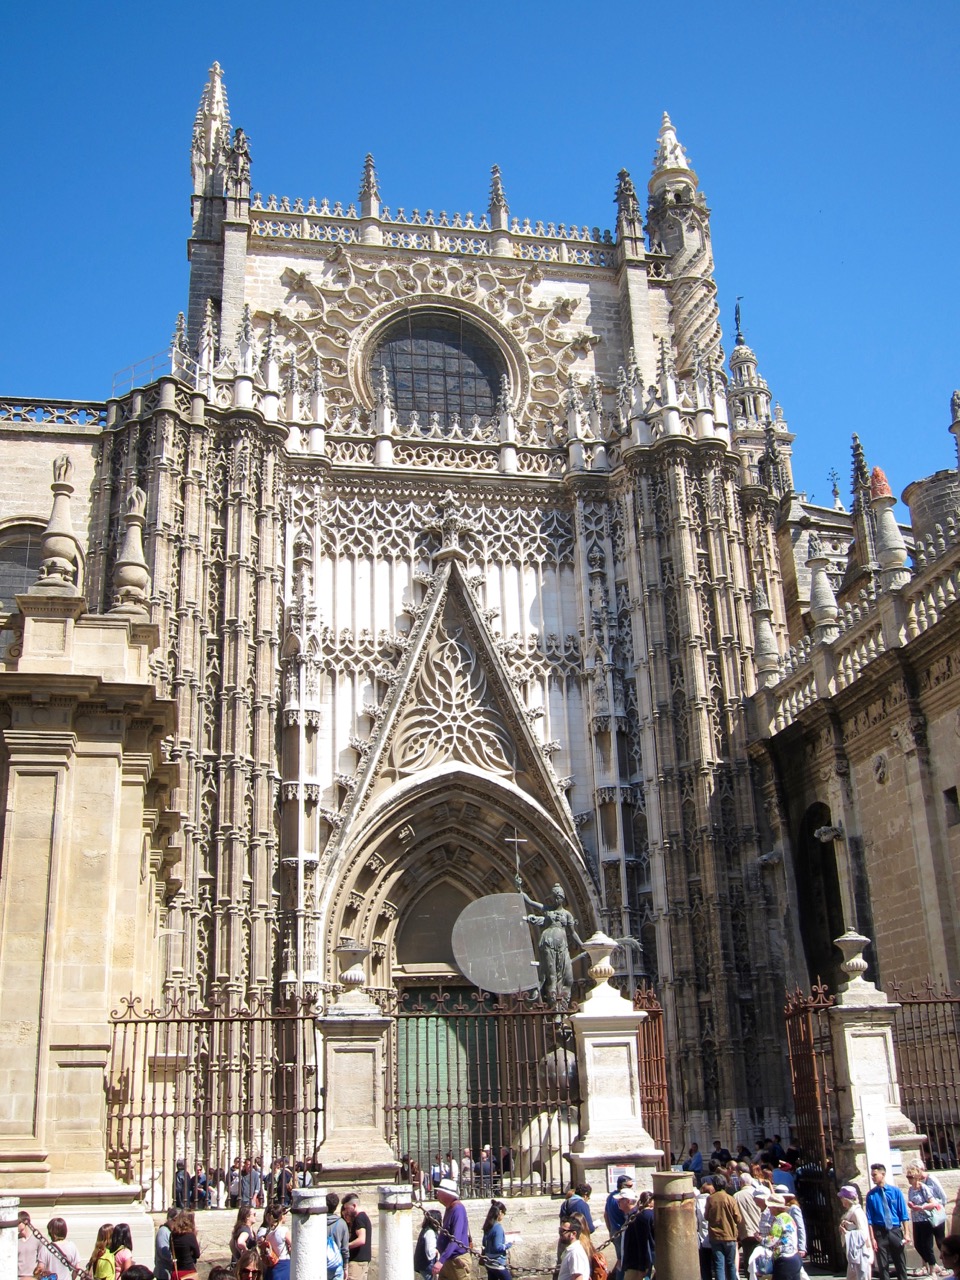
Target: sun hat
pixel 781 1189
pixel 848 1192
pixel 448 1185
pixel 776 1202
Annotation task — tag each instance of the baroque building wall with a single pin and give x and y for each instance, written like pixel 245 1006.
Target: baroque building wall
pixel 471 557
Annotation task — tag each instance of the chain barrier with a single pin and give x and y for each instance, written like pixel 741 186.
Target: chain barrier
pixel 78 1273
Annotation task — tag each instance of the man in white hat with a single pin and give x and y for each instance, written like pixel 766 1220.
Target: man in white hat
pixel 453 1239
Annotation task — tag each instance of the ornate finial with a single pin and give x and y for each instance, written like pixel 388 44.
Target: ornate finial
pixel 594 399
pixel 384 391
pixel 670 154
pixel 130 574
pixel 814 547
pixel 498 199
pixel 736 321
pixel 955 407
pixel 573 398
pixel 179 340
pixel 760 597
pixel 59 562
pixel 879 484
pixel 833 475
pixel 292 382
pixel 503 399
pixel 628 207
pixel 316 378
pixel 271 347
pixel 860 477
pixel 239 161
pixel 369 188
pixel 246 342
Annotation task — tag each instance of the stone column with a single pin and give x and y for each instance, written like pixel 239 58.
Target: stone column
pixel 675 1225
pixel 395 1255
pixel 866 1071
pixel 354 1068
pixel 611 1120
pixel 9 1206
pixel 308 1253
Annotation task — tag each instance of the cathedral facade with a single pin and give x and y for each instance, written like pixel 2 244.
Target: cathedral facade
pixel 471 557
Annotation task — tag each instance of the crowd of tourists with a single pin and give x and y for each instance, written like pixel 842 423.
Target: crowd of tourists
pixel 245 1183
pixel 747 1218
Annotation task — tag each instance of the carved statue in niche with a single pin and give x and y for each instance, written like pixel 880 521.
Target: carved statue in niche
pixel 558 928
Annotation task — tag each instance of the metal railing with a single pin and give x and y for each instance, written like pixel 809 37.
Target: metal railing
pixel 490 1080
pixel 926 1037
pixel 205 1085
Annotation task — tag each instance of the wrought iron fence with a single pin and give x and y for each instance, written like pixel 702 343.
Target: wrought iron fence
pixel 208 1086
pixel 926 1035
pixel 488 1083
pixel 653 1071
pixel 817 1128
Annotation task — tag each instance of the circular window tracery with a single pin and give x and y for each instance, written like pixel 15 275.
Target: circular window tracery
pixel 439 363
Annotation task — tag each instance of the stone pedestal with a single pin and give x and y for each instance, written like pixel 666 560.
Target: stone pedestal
pixel 395 1257
pixel 861 1026
pixel 308 1234
pixel 354 1068
pixel 611 1120
pixel 675 1225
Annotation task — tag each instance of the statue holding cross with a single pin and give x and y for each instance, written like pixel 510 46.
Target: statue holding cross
pixel 558 929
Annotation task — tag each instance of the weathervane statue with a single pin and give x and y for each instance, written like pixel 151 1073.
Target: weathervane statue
pixel 558 929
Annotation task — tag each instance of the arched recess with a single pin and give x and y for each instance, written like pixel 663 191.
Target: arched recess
pixel 449 826
pixel 819 899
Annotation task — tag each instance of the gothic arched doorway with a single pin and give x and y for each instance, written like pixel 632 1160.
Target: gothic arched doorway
pixel 468 1070
pixel 818 897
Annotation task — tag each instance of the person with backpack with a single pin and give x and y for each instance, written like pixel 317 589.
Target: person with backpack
pixel 426 1252
pixel 338 1240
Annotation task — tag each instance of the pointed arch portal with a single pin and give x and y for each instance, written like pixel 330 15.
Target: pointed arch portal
pixel 433 844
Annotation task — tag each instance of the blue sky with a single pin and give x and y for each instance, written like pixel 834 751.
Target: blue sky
pixel 824 134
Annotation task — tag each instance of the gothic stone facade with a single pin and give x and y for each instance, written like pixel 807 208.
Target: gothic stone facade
pixel 462 541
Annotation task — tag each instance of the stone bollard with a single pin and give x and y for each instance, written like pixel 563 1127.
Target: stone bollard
pixel 675 1226
pixel 395 1259
pixel 308 1255
pixel 8 1237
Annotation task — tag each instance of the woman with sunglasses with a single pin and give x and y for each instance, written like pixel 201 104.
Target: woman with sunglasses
pixel 248 1266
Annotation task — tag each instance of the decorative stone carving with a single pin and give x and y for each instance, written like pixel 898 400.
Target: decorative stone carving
pixel 59 565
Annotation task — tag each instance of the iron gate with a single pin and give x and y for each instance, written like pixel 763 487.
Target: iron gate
pixel 817 1122
pixel 472 1072
pixel 653 1071
pixel 210 1085
pixel 926 1036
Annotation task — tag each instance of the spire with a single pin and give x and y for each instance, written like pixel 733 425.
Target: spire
pixel 860 476
pixel 368 184
pixel 670 154
pixel 498 199
pixel 369 190
pixel 211 131
pixel 499 210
